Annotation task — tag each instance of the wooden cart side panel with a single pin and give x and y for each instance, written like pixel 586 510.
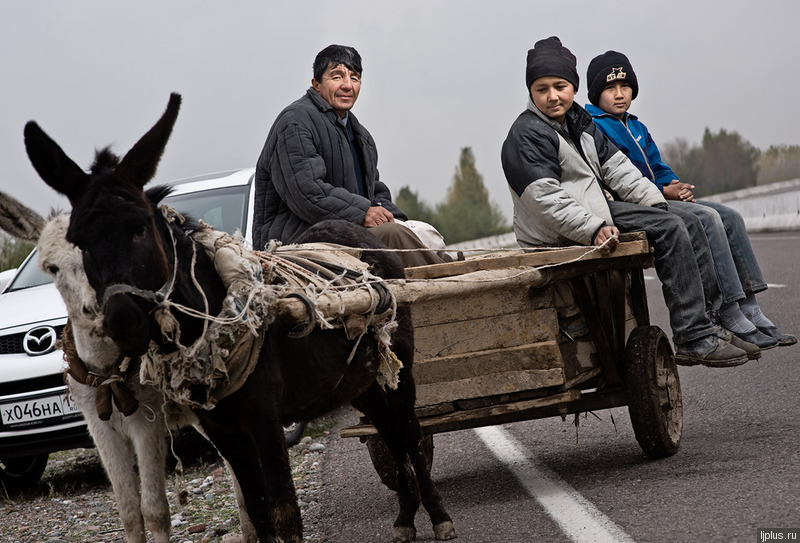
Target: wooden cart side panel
pixel 486 344
pixel 485 334
pixel 537 356
pixel 478 305
pixel 488 385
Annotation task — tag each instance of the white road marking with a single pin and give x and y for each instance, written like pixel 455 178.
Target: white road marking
pixel 581 521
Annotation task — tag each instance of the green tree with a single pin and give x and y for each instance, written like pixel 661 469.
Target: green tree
pixel 12 252
pixel 415 208
pixel 467 212
pixel 779 163
pixel 725 161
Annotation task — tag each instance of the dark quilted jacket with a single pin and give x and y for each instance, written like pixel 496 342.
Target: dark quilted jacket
pixel 305 173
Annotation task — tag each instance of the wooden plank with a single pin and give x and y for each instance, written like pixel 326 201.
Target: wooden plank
pixel 526 258
pixel 488 385
pixel 480 304
pixel 538 356
pixel 483 413
pixel 485 334
pixel 569 402
pixel 432 410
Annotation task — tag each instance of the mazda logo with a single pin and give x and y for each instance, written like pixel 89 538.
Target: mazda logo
pixel 41 340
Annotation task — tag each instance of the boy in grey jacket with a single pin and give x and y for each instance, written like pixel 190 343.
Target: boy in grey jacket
pixel 562 170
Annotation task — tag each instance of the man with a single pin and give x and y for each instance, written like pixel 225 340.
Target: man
pixel 320 163
pixel 561 169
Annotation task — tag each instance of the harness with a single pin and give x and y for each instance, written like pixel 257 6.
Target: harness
pixel 220 360
pixel 111 387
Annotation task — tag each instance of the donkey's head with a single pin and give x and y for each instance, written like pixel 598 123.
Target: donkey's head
pixel 114 223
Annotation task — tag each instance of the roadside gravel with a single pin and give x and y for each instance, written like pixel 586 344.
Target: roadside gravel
pixel 74 503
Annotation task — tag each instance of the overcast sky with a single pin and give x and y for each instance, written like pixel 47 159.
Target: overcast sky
pixel 439 75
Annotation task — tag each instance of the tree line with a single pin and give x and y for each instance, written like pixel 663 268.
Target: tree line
pixel 725 161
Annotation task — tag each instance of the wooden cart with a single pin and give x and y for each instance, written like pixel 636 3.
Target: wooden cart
pixel 521 335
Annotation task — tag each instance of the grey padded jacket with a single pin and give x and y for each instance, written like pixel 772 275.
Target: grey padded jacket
pixel 560 179
pixel 305 173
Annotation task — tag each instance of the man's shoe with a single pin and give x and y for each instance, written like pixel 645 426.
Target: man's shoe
pixel 753 351
pixel 783 339
pixel 709 351
pixel 758 338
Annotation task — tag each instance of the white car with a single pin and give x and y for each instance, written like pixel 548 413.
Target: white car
pixel 37 414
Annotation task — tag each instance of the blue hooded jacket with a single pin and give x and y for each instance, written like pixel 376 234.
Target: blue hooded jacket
pixel 633 139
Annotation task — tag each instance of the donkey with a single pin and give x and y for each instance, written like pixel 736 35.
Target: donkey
pixel 123 440
pixel 131 252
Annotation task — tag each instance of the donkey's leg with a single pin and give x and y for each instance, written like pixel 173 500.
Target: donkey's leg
pixel 257 455
pixel 249 534
pixel 151 450
pixel 374 404
pixel 119 462
pixel 393 414
pixel 401 402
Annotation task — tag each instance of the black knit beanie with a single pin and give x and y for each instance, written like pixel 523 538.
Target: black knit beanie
pixel 607 68
pixel 549 58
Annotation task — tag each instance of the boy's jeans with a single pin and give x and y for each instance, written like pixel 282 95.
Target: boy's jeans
pixel 737 271
pixel 676 265
pixel 744 277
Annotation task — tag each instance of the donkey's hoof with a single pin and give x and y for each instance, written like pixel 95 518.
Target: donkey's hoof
pixel 403 534
pixel 445 531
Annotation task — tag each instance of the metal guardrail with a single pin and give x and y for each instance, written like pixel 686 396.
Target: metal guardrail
pixel 766 208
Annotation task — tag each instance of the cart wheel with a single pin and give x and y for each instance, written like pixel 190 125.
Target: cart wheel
pixel 654 392
pixel 384 463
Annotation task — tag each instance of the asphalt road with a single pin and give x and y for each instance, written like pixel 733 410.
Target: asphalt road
pixel 737 469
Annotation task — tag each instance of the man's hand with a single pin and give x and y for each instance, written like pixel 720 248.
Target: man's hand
pixel 610 234
pixel 377 216
pixel 679 191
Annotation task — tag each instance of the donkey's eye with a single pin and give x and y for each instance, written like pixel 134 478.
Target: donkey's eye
pixel 52 269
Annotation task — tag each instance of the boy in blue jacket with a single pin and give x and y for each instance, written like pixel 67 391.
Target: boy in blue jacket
pixel 612 87
pixel 560 169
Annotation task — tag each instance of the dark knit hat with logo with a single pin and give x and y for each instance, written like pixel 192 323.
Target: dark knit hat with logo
pixel 608 68
pixel 549 58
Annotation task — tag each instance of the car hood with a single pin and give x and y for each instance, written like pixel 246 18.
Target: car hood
pixel 23 308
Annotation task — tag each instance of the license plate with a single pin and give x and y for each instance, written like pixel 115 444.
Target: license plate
pixel 33 412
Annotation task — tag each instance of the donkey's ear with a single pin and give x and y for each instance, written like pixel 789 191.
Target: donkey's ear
pixel 19 220
pixel 139 165
pixel 53 164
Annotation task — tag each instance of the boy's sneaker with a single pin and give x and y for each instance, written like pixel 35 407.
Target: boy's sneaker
pixel 710 351
pixel 783 339
pixel 756 337
pixel 753 351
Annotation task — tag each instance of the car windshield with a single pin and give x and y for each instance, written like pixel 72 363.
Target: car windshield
pixel 223 208
pixel 29 275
